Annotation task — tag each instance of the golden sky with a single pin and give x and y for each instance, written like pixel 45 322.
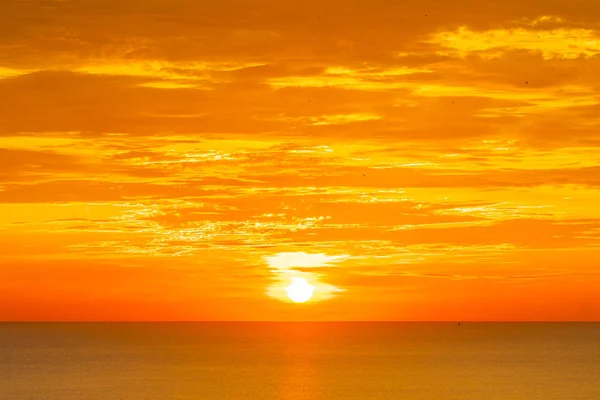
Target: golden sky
pixel 412 160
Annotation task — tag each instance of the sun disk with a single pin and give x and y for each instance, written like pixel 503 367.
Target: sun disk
pixel 300 291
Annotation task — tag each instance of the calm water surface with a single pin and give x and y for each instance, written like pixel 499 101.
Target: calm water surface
pixel 296 361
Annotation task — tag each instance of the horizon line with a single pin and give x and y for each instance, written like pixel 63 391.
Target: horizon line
pixel 296 321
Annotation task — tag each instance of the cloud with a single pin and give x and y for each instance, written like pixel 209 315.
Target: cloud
pixel 302 259
pixel 553 43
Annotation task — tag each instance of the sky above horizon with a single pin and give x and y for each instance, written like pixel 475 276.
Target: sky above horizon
pixel 412 160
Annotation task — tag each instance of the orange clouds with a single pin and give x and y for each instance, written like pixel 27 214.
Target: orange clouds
pixel 168 151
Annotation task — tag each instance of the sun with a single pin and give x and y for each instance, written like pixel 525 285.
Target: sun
pixel 299 290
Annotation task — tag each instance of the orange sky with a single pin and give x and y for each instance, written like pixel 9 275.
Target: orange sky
pixel 413 160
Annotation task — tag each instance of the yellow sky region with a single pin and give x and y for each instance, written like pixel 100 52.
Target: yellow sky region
pixel 180 161
pixel 9 72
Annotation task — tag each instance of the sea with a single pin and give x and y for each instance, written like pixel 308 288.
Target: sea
pixel 299 361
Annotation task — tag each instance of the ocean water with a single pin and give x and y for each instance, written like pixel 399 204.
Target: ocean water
pixel 298 361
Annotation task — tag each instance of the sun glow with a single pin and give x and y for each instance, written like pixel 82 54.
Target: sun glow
pixel 300 291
